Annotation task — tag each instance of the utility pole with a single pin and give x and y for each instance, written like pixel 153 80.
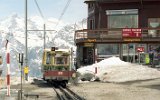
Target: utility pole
pixel 21 62
pixel 44 36
pixel 26 37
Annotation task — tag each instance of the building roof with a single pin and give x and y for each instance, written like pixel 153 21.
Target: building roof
pixel 119 0
pixel 89 0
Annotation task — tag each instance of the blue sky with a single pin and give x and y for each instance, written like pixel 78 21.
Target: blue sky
pixel 50 8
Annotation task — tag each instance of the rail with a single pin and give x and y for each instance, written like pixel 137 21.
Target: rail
pixel 66 94
pixel 74 94
pixel 31 95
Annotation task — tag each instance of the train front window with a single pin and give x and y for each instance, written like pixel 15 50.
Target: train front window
pixel 48 59
pixel 61 60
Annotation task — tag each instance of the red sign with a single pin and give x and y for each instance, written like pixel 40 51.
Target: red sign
pixel 132 33
pixel 140 49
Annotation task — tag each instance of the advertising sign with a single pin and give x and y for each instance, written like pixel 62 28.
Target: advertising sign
pixel 131 34
pixel 140 49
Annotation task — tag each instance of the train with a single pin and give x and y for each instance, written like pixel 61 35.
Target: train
pixel 56 65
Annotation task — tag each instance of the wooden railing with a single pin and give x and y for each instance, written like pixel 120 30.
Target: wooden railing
pixel 150 33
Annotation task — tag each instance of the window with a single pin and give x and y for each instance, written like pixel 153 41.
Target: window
pixel 153 23
pixel 90 5
pixel 61 60
pixel 108 49
pixel 122 18
pixel 91 24
pixel 48 59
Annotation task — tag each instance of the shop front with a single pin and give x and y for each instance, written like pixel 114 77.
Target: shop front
pixel 130 52
pixel 85 54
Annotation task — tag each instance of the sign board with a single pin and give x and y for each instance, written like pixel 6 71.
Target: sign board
pixel 140 49
pixel 26 70
pixel 131 39
pixel 133 34
pixel 91 40
pixel 88 44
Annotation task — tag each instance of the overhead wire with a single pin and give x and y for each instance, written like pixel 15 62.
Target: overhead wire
pixel 41 38
pixel 63 12
pixel 39 9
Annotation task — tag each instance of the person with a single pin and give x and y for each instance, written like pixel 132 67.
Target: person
pixel 151 56
pixel 147 60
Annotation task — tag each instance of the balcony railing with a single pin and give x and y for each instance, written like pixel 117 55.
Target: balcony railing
pixel 146 33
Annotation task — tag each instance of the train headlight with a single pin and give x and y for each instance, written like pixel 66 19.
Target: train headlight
pixel 74 75
pixel 60 73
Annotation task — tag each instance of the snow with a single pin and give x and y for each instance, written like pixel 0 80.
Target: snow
pixel 115 70
pixel 12 28
pixel 15 81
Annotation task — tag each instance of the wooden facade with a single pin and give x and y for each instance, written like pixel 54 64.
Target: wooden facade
pixel 106 20
pixel 146 9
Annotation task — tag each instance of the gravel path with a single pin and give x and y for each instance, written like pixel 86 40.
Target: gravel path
pixel 139 90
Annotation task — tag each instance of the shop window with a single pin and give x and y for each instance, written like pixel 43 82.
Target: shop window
pixel 122 18
pixel 108 49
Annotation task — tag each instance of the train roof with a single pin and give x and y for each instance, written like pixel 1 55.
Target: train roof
pixel 63 50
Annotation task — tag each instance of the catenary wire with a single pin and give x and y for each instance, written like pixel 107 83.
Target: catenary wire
pixel 63 12
pixel 39 9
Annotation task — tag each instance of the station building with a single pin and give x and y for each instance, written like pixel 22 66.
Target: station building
pixel 128 29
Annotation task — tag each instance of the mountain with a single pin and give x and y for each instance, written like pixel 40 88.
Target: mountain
pixel 12 28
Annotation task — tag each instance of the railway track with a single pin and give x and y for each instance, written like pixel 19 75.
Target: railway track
pixel 66 94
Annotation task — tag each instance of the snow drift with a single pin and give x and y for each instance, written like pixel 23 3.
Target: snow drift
pixel 115 70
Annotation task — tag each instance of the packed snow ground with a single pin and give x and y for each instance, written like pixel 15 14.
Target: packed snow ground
pixel 115 70
pixel 14 81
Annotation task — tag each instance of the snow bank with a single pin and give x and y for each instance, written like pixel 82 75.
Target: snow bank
pixel 115 70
